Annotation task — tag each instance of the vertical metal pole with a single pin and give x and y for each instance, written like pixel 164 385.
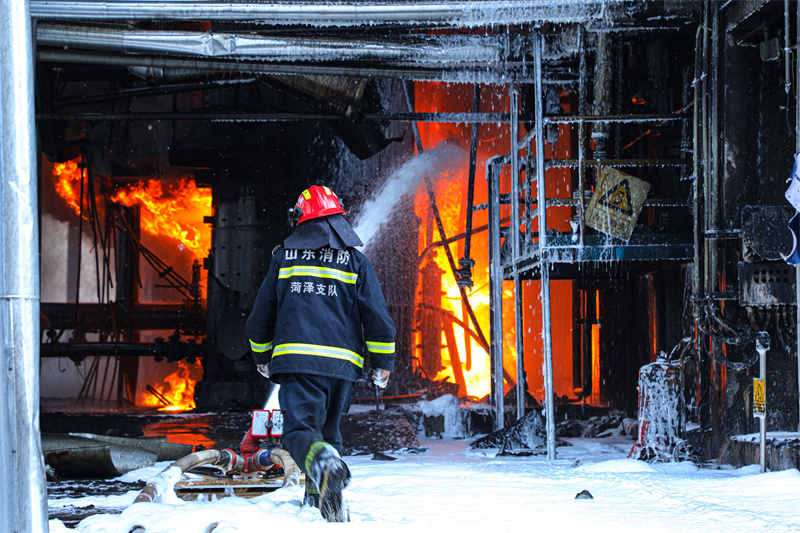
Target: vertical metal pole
pixel 495 296
pixel 466 263
pixel 696 182
pixel 23 500
pixel 544 265
pixel 797 268
pixel 514 229
pixel 521 378
pixel 762 346
pixel 514 226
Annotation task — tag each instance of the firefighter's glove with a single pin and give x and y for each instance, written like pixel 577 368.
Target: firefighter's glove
pixel 263 370
pixel 380 377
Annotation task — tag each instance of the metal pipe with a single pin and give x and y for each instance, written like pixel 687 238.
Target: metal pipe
pixel 787 52
pixel 139 316
pixel 602 84
pixel 458 118
pixel 544 267
pixel 172 351
pixel 697 289
pixel 495 293
pixel 714 146
pixel 762 347
pixel 797 268
pixel 515 247
pixel 439 50
pixel 223 65
pixel 581 183
pixel 340 14
pixel 466 262
pixel 23 499
pixel 514 225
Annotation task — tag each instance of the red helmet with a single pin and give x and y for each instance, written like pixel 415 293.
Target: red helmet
pixel 318 201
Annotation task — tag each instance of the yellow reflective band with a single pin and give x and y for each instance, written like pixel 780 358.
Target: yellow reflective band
pixel 260 348
pixel 306 194
pixel 327 190
pixel 320 351
pixel 380 347
pixel 318 272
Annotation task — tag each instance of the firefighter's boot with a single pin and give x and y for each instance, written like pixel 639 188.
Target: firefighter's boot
pixel 330 474
pixel 311 496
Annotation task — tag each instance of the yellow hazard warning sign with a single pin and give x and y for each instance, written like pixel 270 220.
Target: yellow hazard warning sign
pixel 759 398
pixel 616 203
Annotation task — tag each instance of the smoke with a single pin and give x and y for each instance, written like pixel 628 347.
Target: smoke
pixel 433 164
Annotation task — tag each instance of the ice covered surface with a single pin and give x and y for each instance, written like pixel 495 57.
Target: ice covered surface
pixel 774 436
pixel 446 406
pixel 454 487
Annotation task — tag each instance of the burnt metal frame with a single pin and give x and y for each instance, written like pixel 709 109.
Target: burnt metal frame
pixel 540 254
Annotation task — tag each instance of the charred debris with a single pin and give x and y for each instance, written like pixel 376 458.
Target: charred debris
pixel 624 169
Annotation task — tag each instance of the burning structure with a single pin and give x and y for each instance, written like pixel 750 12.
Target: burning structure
pixel 558 191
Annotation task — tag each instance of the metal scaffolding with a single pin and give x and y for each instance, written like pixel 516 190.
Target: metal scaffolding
pixel 518 255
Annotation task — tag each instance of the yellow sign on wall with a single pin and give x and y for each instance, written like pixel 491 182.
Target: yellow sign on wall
pixel 616 203
pixel 759 398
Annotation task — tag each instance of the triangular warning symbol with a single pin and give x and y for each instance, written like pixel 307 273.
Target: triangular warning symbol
pixel 618 198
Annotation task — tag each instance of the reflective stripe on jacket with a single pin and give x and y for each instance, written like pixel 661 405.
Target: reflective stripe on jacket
pixel 316 310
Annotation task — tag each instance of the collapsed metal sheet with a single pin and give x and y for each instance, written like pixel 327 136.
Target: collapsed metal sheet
pixel 77 457
pixel 164 450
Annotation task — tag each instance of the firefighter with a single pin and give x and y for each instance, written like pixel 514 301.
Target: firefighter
pixel 318 306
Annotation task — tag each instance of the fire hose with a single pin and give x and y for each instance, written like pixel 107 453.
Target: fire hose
pixel 226 460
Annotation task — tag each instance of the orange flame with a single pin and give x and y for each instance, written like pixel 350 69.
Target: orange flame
pixel 168 210
pixel 172 211
pixel 465 362
pixel 68 182
pixel 177 390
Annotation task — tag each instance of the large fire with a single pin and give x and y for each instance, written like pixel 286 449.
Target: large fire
pixel 168 210
pixel 464 360
pixel 174 211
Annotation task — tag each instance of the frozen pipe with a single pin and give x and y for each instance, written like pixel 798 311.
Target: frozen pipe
pixel 602 94
pixel 239 65
pixel 544 264
pixel 417 49
pixel 342 14
pixel 515 246
pixel 493 169
pixel 797 267
pixel 23 499
pixel 787 52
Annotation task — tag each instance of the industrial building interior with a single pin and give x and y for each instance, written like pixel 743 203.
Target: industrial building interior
pixel 174 139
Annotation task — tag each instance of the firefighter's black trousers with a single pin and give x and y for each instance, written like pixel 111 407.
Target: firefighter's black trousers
pixel 312 407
